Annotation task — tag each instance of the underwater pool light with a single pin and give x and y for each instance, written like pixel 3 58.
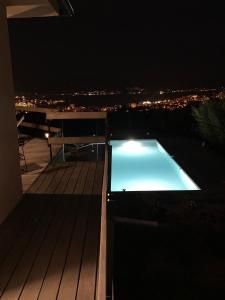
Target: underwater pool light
pixel 133 147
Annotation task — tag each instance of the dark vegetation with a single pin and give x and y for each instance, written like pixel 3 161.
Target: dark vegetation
pixel 210 118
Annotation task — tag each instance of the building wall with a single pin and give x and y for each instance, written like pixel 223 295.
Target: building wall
pixel 10 179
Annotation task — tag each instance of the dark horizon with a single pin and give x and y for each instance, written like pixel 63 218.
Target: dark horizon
pixel 109 45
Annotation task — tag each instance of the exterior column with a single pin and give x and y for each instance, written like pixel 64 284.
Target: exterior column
pixel 10 178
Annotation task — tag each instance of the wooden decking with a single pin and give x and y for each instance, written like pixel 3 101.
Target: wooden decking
pixel 49 245
pixel 72 178
pixel 37 156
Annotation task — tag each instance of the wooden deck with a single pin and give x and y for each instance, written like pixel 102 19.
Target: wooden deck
pixel 37 156
pixel 49 245
pixel 71 178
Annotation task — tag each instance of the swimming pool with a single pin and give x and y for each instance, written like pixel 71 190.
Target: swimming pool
pixel 144 165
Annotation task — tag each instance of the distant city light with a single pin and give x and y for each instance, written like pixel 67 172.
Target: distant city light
pixel 164 99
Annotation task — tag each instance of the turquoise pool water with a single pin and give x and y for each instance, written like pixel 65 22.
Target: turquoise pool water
pixel 144 165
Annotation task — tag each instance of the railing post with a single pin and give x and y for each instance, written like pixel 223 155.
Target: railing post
pixel 97 151
pixel 102 265
pixel 110 230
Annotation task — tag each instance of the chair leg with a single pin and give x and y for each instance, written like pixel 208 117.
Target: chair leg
pixel 22 157
pixel 25 162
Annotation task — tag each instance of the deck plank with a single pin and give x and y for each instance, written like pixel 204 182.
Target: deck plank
pixel 98 180
pixel 79 188
pixel 67 175
pixel 88 187
pixel 34 282
pixel 58 256
pixel 56 180
pixel 37 156
pixel 52 244
pixel 73 178
pixel 37 183
pixel 70 278
pixel 42 177
pixel 42 181
pixel 70 178
pixel 22 270
pixel 50 175
pixel 9 264
pixel 13 227
pixel 52 280
pixel 88 273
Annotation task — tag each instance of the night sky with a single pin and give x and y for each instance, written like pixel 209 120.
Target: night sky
pixel 117 44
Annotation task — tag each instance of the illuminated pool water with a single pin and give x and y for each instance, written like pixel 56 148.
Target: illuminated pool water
pixel 144 165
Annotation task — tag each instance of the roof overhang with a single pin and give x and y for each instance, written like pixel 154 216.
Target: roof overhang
pixel 37 8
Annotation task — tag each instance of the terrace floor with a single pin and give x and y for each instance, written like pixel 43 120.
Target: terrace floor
pixel 70 178
pixel 37 156
pixel 49 245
